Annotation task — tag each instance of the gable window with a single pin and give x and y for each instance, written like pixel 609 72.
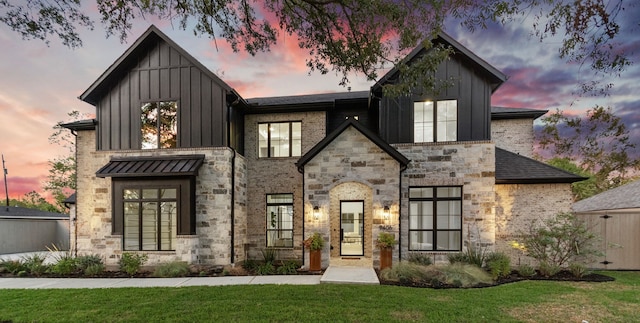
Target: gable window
pixel 435 121
pixel 435 218
pixel 280 220
pixel 159 125
pixel 279 139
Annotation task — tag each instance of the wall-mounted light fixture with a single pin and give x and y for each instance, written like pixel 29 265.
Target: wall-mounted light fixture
pixel 385 212
pixel 316 213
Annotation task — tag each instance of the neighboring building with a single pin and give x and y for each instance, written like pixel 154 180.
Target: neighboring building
pixel 179 166
pixel 26 230
pixel 614 216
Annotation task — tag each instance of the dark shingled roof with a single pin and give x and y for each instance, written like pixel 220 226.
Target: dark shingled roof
pixel 23 212
pixel 622 197
pixel 308 99
pixel 181 165
pixel 512 168
pixel 89 124
pixel 362 129
pixel 515 113
pixel 71 199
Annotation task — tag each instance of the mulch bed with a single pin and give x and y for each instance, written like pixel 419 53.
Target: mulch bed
pixel 514 277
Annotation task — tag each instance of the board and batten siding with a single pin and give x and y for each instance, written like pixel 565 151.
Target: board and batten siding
pixel 163 74
pixel 472 91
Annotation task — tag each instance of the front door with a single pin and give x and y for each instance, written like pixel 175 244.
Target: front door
pixel 351 228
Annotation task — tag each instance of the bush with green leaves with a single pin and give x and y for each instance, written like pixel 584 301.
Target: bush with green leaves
pixel 457 274
pixel 34 264
pixel 131 263
pixel 498 264
pixel 547 270
pixel 266 268
pixel 578 270
pixel 269 254
pixel 172 269
pixel 13 266
pixel 526 270
pixel 419 258
pixel 94 269
pixel 289 267
pixel 561 240
pixel 472 255
pixel 65 266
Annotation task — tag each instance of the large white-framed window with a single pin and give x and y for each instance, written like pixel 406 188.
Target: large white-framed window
pixel 435 218
pixel 280 220
pixel 435 121
pixel 280 139
pixel 159 125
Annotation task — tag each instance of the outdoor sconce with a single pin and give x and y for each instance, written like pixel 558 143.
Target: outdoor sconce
pixel 385 213
pixel 316 213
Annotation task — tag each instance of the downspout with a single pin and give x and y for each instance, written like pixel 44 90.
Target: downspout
pixel 301 171
pixel 75 216
pixel 402 169
pixel 233 203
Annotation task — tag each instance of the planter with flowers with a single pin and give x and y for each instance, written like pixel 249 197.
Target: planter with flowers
pixel 314 243
pixel 385 243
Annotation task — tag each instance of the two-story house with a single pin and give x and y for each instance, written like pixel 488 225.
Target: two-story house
pixel 180 166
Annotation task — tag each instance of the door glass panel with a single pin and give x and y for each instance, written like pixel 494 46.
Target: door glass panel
pixel 352 228
pixel 149 226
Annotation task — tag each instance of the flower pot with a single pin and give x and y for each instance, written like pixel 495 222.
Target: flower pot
pixel 315 260
pixel 386 258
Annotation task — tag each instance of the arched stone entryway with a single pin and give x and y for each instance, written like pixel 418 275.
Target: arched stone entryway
pixel 350 191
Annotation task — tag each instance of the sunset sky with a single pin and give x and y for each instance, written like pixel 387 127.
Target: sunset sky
pixel 40 84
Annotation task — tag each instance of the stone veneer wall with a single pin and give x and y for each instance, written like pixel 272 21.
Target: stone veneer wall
pixel 517 205
pixel 276 175
pixel 351 167
pixel 210 244
pixel 514 135
pixel 467 164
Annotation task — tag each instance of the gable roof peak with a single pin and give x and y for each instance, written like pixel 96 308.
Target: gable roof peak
pixel 121 65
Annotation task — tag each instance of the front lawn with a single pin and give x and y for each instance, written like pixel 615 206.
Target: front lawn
pixel 528 301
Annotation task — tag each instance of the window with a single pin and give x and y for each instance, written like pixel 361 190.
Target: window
pixel 149 214
pixel 280 220
pixel 435 121
pixel 281 139
pixel 150 218
pixel 159 125
pixel 435 218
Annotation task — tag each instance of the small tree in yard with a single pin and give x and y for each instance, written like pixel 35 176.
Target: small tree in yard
pixel 560 241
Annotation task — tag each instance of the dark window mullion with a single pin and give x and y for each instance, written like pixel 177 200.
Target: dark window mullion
pixel 290 139
pixel 268 139
pixel 158 220
pixel 435 122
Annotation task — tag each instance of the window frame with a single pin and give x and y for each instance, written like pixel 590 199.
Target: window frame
pixel 158 200
pixel 177 122
pixel 185 222
pixel 269 146
pixel 434 228
pixel 434 121
pixel 278 230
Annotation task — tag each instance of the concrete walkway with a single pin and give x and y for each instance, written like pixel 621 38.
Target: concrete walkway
pixel 332 275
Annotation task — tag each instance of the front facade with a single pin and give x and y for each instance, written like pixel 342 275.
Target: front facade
pixel 179 166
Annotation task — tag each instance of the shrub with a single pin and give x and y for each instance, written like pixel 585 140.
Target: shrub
pixel 269 254
pixel 405 272
pixel 561 240
pixel 250 265
pixel 172 269
pixel 131 263
pixel 34 264
pixel 88 260
pixel 547 270
pixel 420 259
pixel 457 257
pixel 525 270
pixel 13 266
pixel 499 265
pixel 578 270
pixel 265 269
pixel 94 269
pixel 465 275
pixel 65 266
pixel 288 268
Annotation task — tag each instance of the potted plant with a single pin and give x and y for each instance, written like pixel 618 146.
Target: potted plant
pixel 385 243
pixel 314 243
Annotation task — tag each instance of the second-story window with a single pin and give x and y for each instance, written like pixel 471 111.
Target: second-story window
pixel 435 121
pixel 159 125
pixel 279 139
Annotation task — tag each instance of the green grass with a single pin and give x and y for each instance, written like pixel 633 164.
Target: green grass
pixel 528 301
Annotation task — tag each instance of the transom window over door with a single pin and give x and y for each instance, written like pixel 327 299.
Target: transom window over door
pixel 279 139
pixel 150 218
pixel 435 218
pixel 159 125
pixel 435 121
pixel 280 220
